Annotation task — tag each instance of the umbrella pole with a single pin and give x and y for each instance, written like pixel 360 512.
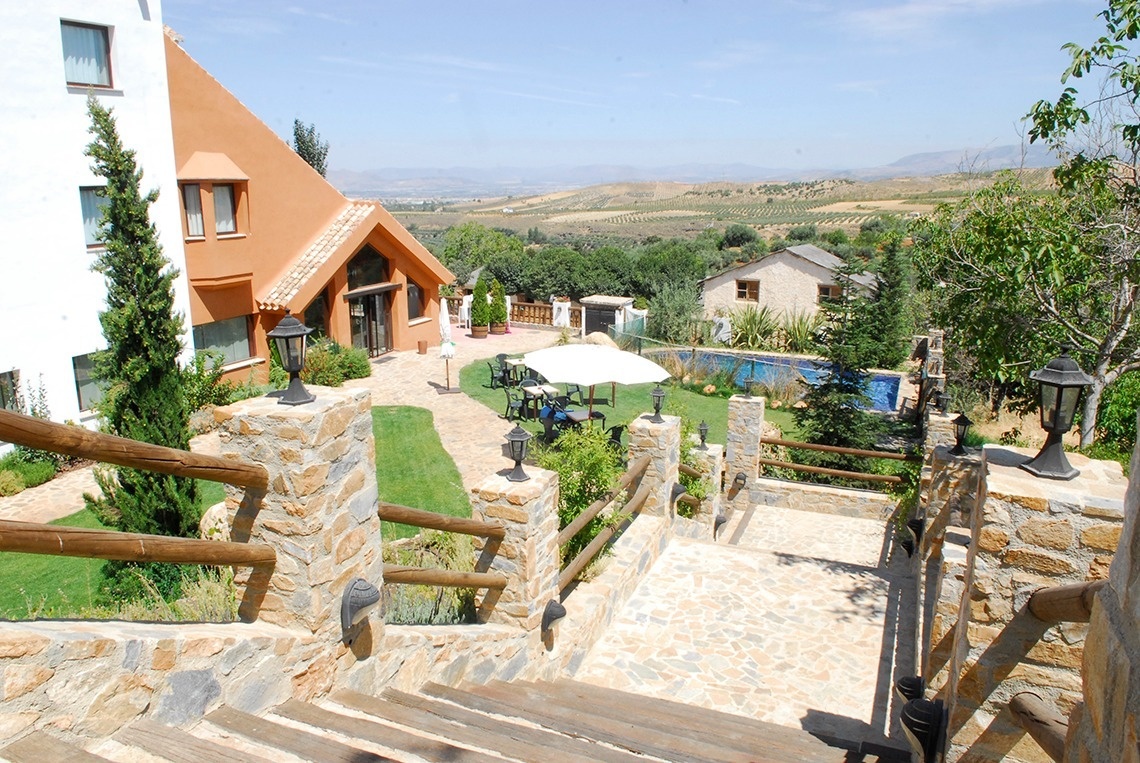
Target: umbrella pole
pixel 591 401
pixel 447 367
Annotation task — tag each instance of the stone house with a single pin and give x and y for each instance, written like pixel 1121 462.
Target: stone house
pixel 789 281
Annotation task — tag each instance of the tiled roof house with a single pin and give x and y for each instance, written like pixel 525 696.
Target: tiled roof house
pixel 264 232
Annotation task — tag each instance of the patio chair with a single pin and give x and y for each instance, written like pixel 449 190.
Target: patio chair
pixel 615 437
pixel 516 406
pixel 498 377
pixel 576 389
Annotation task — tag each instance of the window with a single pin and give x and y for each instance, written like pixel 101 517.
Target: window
pixel 749 291
pixel 92 202
pixel 10 391
pixel 315 315
pixel 225 217
pixel 829 292
pixel 192 201
pixel 415 300
pixel 367 267
pixel 230 338
pixel 88 390
pixel 86 54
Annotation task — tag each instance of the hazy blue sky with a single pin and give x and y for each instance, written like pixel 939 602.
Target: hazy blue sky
pixel 775 83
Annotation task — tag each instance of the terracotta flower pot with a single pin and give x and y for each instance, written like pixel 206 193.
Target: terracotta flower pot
pixel 479 332
pixel 498 328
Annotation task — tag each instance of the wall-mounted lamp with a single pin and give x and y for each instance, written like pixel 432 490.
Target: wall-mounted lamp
pixel 962 425
pixel 720 520
pixel 552 613
pixel 677 491
pixel 703 431
pixel 910 687
pixel 739 481
pixel 291 337
pixel 517 440
pixel 359 598
pixel 924 723
pixel 658 396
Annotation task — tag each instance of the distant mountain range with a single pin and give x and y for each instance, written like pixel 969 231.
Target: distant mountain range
pixel 412 183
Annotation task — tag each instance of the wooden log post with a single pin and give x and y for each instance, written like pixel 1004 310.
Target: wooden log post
pixel 1065 603
pixel 527 554
pixel 320 510
pixel 1047 727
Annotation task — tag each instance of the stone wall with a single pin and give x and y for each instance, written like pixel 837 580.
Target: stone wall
pixel 823 499
pixel 742 449
pixel 1029 534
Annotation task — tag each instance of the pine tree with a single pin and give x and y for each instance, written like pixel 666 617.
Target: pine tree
pixel 890 317
pixel 309 146
pixel 143 397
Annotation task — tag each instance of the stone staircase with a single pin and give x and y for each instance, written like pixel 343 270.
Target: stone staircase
pixel 544 722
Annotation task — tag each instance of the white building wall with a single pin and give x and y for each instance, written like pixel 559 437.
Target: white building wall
pixel 787 284
pixel 49 297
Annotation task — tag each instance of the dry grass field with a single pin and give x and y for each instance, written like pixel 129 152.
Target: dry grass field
pixel 631 212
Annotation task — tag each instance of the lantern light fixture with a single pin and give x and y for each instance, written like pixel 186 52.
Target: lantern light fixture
pixel 962 425
pixel 658 396
pixel 748 387
pixel 292 337
pixel 517 440
pixel 703 431
pixel 1062 384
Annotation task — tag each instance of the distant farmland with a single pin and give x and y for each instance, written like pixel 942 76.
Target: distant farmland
pixel 630 212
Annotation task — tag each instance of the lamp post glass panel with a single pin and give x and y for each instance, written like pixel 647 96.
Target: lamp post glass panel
pixel 1062 383
pixel 658 396
pixel 517 440
pixel 291 337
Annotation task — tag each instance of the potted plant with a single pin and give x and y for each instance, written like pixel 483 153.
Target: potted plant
pixel 480 310
pixel 498 308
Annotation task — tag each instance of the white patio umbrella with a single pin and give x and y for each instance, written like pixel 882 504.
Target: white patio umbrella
pixel 591 364
pixel 446 345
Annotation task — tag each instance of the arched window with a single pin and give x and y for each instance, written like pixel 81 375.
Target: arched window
pixel 367 267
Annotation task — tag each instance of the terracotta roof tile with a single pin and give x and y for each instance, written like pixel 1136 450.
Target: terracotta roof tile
pixel 318 253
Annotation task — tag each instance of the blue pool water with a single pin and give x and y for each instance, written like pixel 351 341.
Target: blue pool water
pixel 883 389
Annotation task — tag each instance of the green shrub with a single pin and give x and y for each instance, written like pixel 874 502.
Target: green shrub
pixel 202 381
pixel 498 302
pixel 10 482
pixel 588 468
pixel 353 361
pixel 800 332
pixel 754 328
pixel 480 310
pixel 29 466
pixel 1116 417
pixel 430 605
pixel 36 472
pixel 322 366
pixel 673 313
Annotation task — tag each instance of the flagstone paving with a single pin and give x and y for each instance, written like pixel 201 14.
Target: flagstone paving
pixel 800 625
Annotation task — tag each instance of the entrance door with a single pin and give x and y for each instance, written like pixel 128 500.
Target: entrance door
pixel 370 317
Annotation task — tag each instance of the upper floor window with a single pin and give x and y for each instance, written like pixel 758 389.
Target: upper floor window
pixel 86 387
pixel 829 292
pixel 10 390
pixel 229 338
pixel 748 291
pixel 415 300
pixel 367 267
pixel 192 202
pixel 92 201
pixel 225 212
pixel 86 54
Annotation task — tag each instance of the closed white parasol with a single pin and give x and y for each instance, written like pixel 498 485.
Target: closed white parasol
pixel 590 364
pixel 446 346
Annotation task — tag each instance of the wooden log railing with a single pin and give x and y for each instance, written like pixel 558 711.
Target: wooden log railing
pixel 601 539
pixel 689 500
pixel 541 314
pixel 892 478
pixel 634 472
pixel 838 449
pixel 689 471
pixel 1065 603
pixel 1042 722
pixel 395 573
pixel 406 515
pixel 31 432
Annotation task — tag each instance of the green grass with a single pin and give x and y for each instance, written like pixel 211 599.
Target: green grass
pixel 412 468
pixel 632 401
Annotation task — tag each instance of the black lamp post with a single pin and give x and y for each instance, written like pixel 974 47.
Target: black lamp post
pixel 658 396
pixel 291 336
pixel 748 387
pixel 961 426
pixel 517 440
pixel 1062 382
pixel 703 431
pixel 942 401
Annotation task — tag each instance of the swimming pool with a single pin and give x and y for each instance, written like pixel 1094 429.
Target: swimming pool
pixel 882 388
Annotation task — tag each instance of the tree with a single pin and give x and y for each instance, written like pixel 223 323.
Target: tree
pixel 139 373
pixel 480 310
pixel 737 235
pixel 470 246
pixel 673 313
pixel 890 307
pixel 309 146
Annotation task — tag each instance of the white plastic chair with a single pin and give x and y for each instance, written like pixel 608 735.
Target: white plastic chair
pixel 465 312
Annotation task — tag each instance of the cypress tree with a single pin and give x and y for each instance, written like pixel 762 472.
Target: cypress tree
pixel 890 318
pixel 143 397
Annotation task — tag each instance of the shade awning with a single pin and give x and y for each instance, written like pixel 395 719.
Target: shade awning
pixel 376 288
pixel 208 165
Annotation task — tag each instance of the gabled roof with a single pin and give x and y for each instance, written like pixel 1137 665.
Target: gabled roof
pixel 319 252
pixel 812 254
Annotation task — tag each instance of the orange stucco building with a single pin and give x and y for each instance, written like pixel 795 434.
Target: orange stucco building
pixel 264 232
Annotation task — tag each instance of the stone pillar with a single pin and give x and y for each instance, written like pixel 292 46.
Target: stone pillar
pixel 742 448
pixel 320 510
pixel 711 462
pixel 663 444
pixel 950 495
pixel 527 556
pixel 1107 725
pixel 1031 533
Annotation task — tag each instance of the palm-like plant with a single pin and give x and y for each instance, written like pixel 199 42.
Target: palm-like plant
pixel 754 328
pixel 800 330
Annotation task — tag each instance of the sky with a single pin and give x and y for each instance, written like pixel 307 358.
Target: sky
pixel 799 84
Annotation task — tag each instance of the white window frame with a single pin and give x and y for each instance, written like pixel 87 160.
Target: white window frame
pixel 87 390
pixel 192 208
pixel 91 202
pixel 98 74
pixel 220 200
pixel 206 337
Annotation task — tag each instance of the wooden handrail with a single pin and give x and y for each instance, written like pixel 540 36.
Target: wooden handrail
pixel 75 441
pixel 395 573
pixel 635 470
pixel 838 449
pixel 1065 603
pixel 586 555
pixel 55 540
pixel 1047 727
pixel 689 471
pixel 406 515
pixel 831 472
pixel 689 500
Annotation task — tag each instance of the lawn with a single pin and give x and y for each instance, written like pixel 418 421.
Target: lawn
pixel 632 401
pixel 412 468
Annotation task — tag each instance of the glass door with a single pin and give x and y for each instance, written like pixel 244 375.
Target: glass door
pixel 370 317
